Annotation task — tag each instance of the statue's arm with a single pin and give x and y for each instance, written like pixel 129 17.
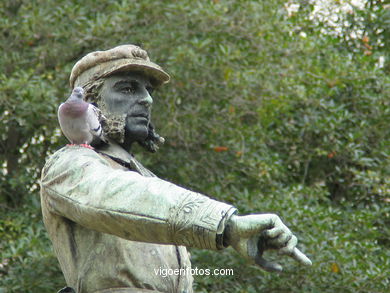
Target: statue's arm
pixel 80 185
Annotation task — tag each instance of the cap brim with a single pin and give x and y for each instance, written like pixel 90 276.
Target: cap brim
pixel 150 69
pixel 157 76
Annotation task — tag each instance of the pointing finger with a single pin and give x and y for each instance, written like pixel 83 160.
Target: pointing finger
pixel 300 257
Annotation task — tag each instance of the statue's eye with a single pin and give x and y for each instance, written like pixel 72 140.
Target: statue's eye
pixel 150 89
pixel 127 90
pixel 131 89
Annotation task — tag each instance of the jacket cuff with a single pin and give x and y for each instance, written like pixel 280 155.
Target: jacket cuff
pixel 222 226
pixel 198 220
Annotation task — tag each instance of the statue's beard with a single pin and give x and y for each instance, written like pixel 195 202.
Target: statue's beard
pixel 113 124
pixel 114 127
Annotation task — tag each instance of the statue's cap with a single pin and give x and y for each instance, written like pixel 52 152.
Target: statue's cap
pixel 123 58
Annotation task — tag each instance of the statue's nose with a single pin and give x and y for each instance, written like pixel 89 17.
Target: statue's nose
pixel 147 100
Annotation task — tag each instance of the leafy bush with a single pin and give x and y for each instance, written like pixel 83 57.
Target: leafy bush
pixel 27 260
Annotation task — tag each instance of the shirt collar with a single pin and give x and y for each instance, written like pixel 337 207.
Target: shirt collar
pixel 114 150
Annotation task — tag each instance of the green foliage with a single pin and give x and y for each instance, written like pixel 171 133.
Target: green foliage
pixel 27 261
pixel 269 111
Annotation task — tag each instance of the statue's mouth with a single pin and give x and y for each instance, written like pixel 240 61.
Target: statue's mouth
pixel 140 115
pixel 143 116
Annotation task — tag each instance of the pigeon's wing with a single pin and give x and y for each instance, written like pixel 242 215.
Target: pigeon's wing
pixel 66 124
pixel 99 113
pixel 61 120
pixel 94 116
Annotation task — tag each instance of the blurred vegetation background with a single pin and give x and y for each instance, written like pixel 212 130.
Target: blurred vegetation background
pixel 274 106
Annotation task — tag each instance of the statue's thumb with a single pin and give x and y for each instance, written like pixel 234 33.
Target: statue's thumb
pixel 259 260
pixel 268 266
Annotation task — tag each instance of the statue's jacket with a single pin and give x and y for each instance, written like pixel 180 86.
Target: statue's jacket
pixel 114 224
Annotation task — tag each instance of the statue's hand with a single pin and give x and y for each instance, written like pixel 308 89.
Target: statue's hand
pixel 251 235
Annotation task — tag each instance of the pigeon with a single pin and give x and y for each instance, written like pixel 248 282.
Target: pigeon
pixel 80 121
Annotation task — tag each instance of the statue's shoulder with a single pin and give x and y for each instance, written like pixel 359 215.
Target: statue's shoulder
pixel 73 151
pixel 69 156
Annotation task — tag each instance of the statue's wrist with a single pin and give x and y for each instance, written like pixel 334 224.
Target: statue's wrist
pixel 227 233
pixel 221 244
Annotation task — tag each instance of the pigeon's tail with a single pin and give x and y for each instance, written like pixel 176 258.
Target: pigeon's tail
pixel 95 119
pixel 99 133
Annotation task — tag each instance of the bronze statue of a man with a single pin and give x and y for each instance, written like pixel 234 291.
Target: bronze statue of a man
pixel 112 222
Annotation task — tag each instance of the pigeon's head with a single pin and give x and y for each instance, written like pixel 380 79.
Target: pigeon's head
pixel 78 92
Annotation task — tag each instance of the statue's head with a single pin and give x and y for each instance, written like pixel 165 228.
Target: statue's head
pixel 120 81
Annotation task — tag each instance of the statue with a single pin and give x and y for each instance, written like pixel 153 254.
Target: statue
pixel 112 222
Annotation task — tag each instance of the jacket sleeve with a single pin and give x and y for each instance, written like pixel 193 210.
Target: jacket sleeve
pixel 80 185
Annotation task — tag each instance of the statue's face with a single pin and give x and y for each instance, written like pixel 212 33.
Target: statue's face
pixel 129 94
